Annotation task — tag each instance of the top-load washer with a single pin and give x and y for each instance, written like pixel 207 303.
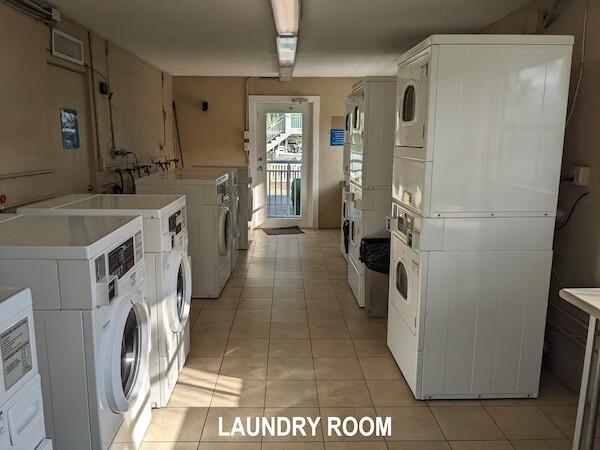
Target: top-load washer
pixel 92 326
pixel 168 271
pixel 21 404
pixel 209 223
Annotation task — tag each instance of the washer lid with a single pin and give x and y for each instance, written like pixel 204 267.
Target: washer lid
pixel 63 237
pixel 210 177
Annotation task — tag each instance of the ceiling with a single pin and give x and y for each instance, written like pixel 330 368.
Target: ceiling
pixel 346 38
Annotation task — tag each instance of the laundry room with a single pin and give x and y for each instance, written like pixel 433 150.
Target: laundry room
pixel 299 225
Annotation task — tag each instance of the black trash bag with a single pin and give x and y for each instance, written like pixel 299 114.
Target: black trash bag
pixel 346 233
pixel 375 254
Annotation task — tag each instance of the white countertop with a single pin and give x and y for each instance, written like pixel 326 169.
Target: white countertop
pixel 586 299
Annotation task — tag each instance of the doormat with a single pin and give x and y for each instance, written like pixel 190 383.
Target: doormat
pixel 284 230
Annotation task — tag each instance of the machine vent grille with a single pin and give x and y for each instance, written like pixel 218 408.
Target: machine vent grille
pixel 67 47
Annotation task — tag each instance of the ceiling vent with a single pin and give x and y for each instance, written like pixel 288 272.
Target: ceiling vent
pixel 67 47
pixel 37 9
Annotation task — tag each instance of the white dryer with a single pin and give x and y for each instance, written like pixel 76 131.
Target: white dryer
pixel 209 223
pixel 21 405
pixel 168 272
pixel 92 325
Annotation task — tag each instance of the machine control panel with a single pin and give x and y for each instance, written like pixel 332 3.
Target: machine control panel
pixel 122 258
pixel 177 222
pixel 15 347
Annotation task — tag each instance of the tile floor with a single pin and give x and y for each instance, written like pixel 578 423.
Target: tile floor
pixel 287 338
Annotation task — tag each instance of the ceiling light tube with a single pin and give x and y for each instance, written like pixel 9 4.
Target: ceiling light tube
pixel 286 50
pixel 287 16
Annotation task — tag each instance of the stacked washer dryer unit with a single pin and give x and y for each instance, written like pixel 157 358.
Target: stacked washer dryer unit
pixel 92 326
pixel 21 404
pixel 168 273
pixel 345 183
pixel 369 192
pixel 477 159
pixel 208 219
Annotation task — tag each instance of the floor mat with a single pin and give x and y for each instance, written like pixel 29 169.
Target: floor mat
pixel 284 230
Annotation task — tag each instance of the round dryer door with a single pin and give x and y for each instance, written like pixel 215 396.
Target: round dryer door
pixel 236 216
pixel 178 280
pixel 250 205
pixel 126 353
pixel 224 230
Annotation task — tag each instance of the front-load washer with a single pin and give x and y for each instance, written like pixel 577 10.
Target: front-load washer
pixel 467 304
pixel 21 404
pixel 209 223
pixel 168 271
pixel 92 325
pixel 243 183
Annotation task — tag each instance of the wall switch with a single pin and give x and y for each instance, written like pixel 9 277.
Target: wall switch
pixel 581 175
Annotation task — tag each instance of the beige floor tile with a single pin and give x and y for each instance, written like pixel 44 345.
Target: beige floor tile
pixel 318 284
pixel 230 292
pixel 524 422
pixel 221 303
pixel 380 369
pixel 392 393
pixel 254 330
pixel 462 423
pixel 192 394
pixel 481 445
pixel 244 348
pixel 256 303
pixel 201 368
pixel 328 330
pixel 343 393
pixel 337 348
pixel 288 292
pixel 215 315
pixel 325 315
pixel 211 427
pixel 233 392
pixel 371 347
pixel 259 282
pixel 207 346
pixel 295 412
pixel 316 275
pixel 554 392
pixel 290 348
pixel 251 315
pixel 293 446
pixel 291 393
pixel 288 303
pixel 289 315
pixel 257 292
pixel 236 282
pixel 320 293
pixel 342 413
pixel 423 445
pixel 411 424
pixel 289 330
pixel 211 329
pixel 290 369
pixel 229 446
pixel 355 446
pixel 176 424
pixel 546 444
pixel 287 283
pixel 244 368
pixel 322 303
pixel 369 329
pixel 292 275
pixel 337 369
pixel 563 416
pixel 164 446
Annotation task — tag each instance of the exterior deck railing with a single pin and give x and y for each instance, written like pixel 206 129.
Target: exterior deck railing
pixel 284 189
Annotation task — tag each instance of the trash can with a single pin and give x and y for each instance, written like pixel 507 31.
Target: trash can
pixel 375 255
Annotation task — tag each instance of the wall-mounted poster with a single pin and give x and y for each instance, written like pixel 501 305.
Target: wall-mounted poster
pixel 69 128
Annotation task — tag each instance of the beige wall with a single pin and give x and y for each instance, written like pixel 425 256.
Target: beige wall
pixel 577 246
pixel 34 86
pixel 215 137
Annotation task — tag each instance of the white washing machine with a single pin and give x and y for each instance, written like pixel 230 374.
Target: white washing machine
pixel 21 405
pixel 467 304
pixel 168 272
pixel 209 223
pixel 92 326
pixel 243 184
pixel 344 218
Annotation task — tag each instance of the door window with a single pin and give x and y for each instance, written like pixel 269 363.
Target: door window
pixel 409 103
pixel 130 352
pixel 180 292
pixel 356 119
pixel 402 280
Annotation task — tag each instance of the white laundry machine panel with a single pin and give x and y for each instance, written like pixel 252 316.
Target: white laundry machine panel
pixel 485 114
pixel 347 138
pixel 209 223
pixel 343 220
pixel 168 280
pixel 371 135
pixel 93 339
pixel 467 315
pixel 21 404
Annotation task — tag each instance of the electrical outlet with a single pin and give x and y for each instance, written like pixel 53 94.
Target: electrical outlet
pixel 581 176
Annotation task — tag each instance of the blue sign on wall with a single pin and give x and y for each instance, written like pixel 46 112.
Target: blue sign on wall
pixel 336 137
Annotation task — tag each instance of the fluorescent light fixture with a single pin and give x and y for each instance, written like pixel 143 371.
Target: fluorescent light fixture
pixel 286 50
pixel 287 16
pixel 285 73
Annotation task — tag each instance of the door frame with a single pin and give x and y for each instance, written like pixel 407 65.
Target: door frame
pixel 314 101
